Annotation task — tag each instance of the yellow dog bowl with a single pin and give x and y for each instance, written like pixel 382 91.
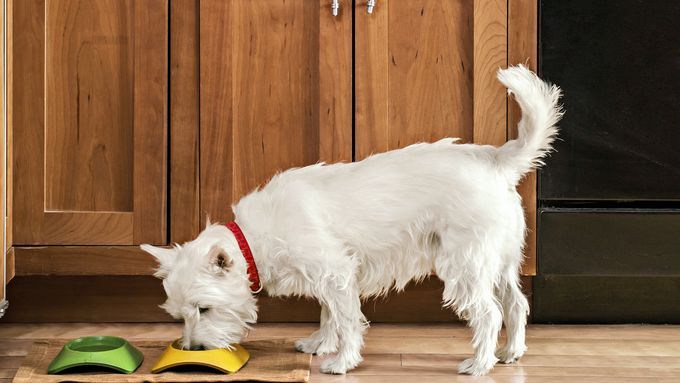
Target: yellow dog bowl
pixel 227 361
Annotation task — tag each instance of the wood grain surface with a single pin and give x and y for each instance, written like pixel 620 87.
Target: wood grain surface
pixel 414 74
pixel 490 48
pixel 430 71
pixel 216 116
pixel 275 94
pixel 9 266
pixel 3 166
pixel 428 353
pixel 335 83
pixel 151 121
pixel 26 126
pixel 88 101
pixel 89 105
pixel 184 120
pixel 523 49
pixel 371 69
pixel 275 112
pixel 82 260
pixel 9 154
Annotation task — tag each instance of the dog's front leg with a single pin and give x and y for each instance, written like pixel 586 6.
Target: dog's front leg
pixel 324 340
pixel 344 314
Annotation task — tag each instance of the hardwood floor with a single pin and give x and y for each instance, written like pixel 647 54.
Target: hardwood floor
pixel 430 353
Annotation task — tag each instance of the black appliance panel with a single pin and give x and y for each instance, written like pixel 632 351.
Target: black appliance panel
pixel 619 65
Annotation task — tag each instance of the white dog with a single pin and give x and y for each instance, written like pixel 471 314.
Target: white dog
pixel 343 232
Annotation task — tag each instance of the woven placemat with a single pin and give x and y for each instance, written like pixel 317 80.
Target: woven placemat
pixel 270 361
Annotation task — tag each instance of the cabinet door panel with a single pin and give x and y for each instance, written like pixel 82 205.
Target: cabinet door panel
pixel 426 69
pixel 184 121
pixel 414 67
pixel 275 93
pixel 88 108
pixel 88 121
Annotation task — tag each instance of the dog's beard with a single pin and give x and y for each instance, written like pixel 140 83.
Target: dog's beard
pixel 223 329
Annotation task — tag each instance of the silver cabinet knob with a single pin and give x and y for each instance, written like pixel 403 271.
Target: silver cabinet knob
pixel 370 5
pixel 335 7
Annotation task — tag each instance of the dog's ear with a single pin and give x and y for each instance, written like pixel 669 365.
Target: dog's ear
pixel 220 261
pixel 164 256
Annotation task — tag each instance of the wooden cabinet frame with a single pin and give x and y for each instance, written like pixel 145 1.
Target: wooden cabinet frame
pixel 5 267
pixel 522 38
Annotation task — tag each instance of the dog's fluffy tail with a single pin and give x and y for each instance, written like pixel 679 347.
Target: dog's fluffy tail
pixel 537 129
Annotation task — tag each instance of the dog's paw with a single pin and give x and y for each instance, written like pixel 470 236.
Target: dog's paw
pixel 307 345
pixel 336 366
pixel 508 354
pixel 317 344
pixel 476 367
pixel 327 347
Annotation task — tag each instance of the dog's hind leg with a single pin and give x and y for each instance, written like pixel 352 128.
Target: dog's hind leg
pixel 484 317
pixel 469 289
pixel 345 316
pixel 324 340
pixel 515 311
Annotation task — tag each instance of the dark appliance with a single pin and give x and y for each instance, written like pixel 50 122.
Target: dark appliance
pixel 609 197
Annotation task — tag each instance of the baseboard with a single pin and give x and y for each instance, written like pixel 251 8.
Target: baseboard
pixel 136 299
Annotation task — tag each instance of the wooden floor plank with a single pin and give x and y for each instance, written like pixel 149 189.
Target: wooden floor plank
pixel 10 362
pixel 321 378
pixel 556 371
pixel 587 361
pixel 136 331
pixel 14 347
pixel 431 365
pixel 639 332
pixel 540 346
pixel 430 353
pixel 373 364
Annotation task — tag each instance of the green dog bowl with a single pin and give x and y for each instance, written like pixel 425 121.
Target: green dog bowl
pixel 102 351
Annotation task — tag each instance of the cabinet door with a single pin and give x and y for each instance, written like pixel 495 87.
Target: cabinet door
pixel 426 69
pixel 414 73
pixel 275 93
pixel 88 121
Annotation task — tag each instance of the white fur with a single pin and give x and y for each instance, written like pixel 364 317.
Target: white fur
pixel 342 232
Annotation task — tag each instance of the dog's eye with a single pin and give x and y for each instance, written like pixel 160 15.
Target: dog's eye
pixel 203 310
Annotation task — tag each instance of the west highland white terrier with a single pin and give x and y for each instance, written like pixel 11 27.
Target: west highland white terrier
pixel 343 232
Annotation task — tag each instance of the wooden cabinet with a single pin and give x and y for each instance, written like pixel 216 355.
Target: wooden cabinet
pixel 88 118
pixel 249 88
pixel 414 74
pixel 274 80
pixel 275 93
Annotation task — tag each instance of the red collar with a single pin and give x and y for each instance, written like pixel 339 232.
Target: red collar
pixel 253 275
